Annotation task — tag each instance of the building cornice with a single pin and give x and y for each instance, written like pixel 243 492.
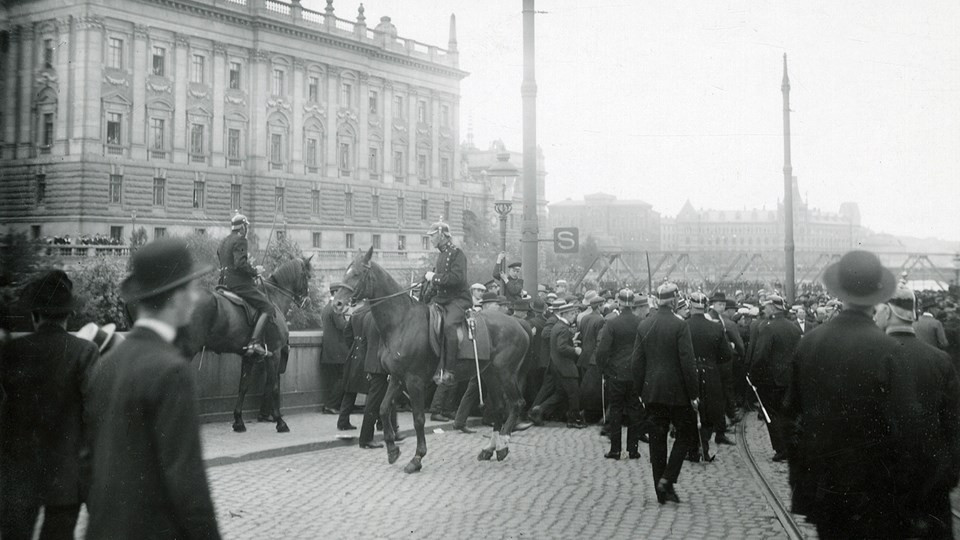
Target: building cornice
pixel 257 22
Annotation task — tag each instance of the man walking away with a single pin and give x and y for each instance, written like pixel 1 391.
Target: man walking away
pixel 665 373
pixel 148 474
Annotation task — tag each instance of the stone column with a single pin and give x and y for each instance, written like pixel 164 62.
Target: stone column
pixel 363 133
pixel 138 76
pixel 181 81
pixel 65 100
pixel 218 90
pixel 10 94
pixel 296 122
pixel 387 132
pixel 260 64
pixel 89 69
pixel 434 111
pixel 28 62
pixel 330 157
pixel 455 129
pixel 412 100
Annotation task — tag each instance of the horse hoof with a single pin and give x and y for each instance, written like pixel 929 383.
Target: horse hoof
pixel 485 455
pixel 393 454
pixel 502 454
pixel 413 466
pixel 282 427
pixel 239 427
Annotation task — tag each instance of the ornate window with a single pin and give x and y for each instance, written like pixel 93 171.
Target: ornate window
pixel 115 53
pixel 348 204
pixel 375 241
pixel 315 201
pixel 159 191
pixel 199 193
pixel 279 197
pixel 115 192
pixel 159 61
pixel 398 165
pixel 277 141
pixel 317 240
pixel 278 82
pixel 374 102
pixel 398 107
pixel 235 69
pixel 348 240
pixel 236 128
pixel 313 88
pixel 312 145
pixel 159 120
pixel 114 128
pixel 346 95
pixel 197 68
pixel 424 209
pixel 375 206
pixel 235 197
pixel 373 162
pixel 48 53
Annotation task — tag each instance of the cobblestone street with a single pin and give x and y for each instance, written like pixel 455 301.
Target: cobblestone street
pixel 554 484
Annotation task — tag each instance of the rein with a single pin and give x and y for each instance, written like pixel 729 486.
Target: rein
pixel 286 292
pixel 371 301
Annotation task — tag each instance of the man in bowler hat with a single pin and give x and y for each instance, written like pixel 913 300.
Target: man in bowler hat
pixel 41 421
pixel 840 461
pixel 148 474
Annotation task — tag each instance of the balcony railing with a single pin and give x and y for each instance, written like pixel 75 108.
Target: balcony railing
pixel 197 158
pixel 113 150
pixel 158 154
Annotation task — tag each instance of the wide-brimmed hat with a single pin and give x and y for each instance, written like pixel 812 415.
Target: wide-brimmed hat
pixel 717 297
pixel 104 337
pixel 591 298
pixel 50 293
pixel 160 266
pixel 860 278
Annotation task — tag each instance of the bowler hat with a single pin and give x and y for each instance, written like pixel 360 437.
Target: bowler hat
pixel 489 297
pixel 928 302
pixel 521 305
pixel 717 297
pixel 50 293
pixel 538 306
pixel 158 267
pixel 859 278
pixel 730 304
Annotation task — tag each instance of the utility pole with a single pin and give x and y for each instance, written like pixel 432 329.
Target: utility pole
pixel 530 230
pixel 788 247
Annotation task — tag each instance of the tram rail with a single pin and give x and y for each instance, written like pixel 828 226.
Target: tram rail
pixel 780 510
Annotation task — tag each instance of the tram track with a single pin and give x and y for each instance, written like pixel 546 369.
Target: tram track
pixel 780 510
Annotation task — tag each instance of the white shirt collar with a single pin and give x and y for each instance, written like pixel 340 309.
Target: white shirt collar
pixel 927 314
pixel 164 330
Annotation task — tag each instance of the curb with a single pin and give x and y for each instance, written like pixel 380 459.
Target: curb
pixel 317 446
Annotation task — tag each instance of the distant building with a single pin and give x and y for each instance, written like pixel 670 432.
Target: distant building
pixel 630 225
pixel 174 114
pixel 762 229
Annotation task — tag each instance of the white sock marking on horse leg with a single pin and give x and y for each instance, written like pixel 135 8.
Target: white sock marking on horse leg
pixel 494 441
pixel 503 441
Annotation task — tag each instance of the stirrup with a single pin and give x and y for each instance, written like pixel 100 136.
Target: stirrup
pixel 256 349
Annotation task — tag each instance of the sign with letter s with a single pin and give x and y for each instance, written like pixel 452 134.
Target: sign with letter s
pixel 566 240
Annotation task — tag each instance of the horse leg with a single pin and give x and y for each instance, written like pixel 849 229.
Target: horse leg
pixel 274 367
pixel 487 451
pixel 246 366
pixel 386 408
pixel 415 389
pixel 502 425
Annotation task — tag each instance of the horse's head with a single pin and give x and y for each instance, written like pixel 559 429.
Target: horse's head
pixel 302 288
pixel 355 285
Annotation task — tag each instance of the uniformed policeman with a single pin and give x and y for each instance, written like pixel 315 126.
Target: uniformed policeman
pixel 237 274
pixel 449 290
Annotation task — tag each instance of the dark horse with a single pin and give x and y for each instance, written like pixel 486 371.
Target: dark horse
pixel 223 327
pixel 406 355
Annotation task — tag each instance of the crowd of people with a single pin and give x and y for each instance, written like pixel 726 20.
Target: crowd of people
pixel 857 384
pixel 83 240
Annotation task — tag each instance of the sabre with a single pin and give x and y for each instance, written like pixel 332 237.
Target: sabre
pixel 762 408
pixel 696 410
pixel 476 357
pixel 649 274
pixel 603 397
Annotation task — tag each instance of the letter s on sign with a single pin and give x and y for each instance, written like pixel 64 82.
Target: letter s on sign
pixel 566 240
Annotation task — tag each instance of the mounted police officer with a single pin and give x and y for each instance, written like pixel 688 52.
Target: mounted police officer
pixel 448 289
pixel 237 274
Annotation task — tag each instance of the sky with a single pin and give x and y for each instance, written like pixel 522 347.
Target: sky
pixel 665 101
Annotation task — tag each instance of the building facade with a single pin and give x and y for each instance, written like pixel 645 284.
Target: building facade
pixel 172 115
pixel 630 225
pixel 757 230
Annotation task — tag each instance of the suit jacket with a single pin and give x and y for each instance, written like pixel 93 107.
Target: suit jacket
pixel 334 349
pixel 837 400
pixel 615 347
pixel 930 330
pixel 148 474
pixel 777 339
pixel 533 352
pixel 732 333
pixel 589 327
pixel 925 391
pixel 710 348
pixel 563 357
pixel 42 430
pixel 235 262
pixel 663 364
pixel 545 340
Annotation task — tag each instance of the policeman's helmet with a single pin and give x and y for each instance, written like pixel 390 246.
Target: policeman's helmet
pixel 439 227
pixel 238 221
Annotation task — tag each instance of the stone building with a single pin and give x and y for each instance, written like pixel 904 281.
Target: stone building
pixel 630 225
pixel 761 229
pixel 174 114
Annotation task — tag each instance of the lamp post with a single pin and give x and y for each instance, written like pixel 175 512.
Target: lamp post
pixel 504 175
pixel 133 224
pixel 956 269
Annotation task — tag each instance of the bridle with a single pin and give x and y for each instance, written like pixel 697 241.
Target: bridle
pixel 298 299
pixel 358 291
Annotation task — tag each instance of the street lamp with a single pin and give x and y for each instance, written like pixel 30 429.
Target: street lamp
pixel 956 269
pixel 503 175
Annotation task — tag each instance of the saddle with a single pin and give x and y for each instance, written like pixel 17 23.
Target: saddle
pixel 222 293
pixel 465 350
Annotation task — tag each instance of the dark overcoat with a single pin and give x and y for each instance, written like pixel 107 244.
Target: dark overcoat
pixel 615 348
pixel 711 349
pixel 663 366
pixel 563 357
pixel 42 432
pixel 925 394
pixel 449 282
pixel 776 341
pixel 148 475
pixel 545 340
pixel 589 328
pixel 354 377
pixel 838 403
pixel 334 349
pixel 371 357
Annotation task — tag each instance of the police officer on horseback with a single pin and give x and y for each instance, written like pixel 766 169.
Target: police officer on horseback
pixel 447 287
pixel 238 275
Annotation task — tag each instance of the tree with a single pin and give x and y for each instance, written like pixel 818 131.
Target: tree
pixel 307 317
pixel 96 284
